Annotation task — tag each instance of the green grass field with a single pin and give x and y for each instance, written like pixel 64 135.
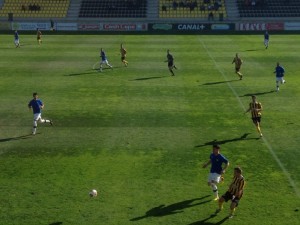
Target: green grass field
pixel 140 136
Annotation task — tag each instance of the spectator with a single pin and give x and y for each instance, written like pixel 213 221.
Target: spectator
pixel 23 8
pixel 202 7
pixel 164 8
pixel 175 5
pixel 210 16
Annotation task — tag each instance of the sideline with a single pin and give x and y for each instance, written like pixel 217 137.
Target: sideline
pixel 286 173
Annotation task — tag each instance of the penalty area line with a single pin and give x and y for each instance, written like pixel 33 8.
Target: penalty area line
pixel 272 152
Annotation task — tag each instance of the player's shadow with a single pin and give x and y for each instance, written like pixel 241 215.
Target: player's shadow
pixel 220 82
pixel 79 74
pixel 175 208
pixel 221 142
pixel 257 93
pixel 56 223
pixel 16 138
pixel 254 50
pixel 147 78
pixel 204 221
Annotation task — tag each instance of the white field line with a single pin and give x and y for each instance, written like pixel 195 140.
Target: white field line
pixel 286 173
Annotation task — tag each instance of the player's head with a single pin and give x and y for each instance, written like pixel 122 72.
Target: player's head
pixel 278 64
pixel 168 51
pixel 237 55
pixel 35 95
pixel 237 171
pixel 253 98
pixel 121 45
pixel 216 149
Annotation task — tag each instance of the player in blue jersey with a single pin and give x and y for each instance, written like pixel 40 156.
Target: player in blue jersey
pixel 217 170
pixel 103 59
pixel 37 105
pixel 266 41
pixel 17 41
pixel 279 71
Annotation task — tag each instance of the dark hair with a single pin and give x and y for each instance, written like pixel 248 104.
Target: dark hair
pixel 216 146
pixel 238 169
pixel 34 93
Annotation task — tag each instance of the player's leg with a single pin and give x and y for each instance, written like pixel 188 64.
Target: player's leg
pixel 277 85
pixel 221 202
pixel 107 63
pixel 101 63
pixel 233 205
pixel 36 118
pixel 171 70
pixel 256 122
pixel 45 121
pixel 214 179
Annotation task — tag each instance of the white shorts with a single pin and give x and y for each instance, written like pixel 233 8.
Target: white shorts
pixel 280 79
pixel 104 62
pixel 266 42
pixel 17 41
pixel 37 116
pixel 214 177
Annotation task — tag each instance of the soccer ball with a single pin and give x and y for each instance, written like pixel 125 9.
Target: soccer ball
pixel 93 193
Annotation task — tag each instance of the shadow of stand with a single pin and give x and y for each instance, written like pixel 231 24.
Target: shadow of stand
pixel 175 208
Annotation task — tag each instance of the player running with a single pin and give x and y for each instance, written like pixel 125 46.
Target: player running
pixel 238 63
pixel 17 41
pixel 215 176
pixel 103 59
pixel 279 71
pixel 255 108
pixel 39 36
pixel 266 39
pixel 170 61
pixel 234 193
pixel 37 105
pixel 123 55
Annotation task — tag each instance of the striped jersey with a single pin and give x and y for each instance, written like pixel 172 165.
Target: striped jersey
pixel 254 106
pixel 236 186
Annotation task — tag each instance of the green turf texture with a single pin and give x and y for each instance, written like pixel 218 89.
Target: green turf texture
pixel 140 136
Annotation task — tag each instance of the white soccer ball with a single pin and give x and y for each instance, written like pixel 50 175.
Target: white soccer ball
pixel 93 193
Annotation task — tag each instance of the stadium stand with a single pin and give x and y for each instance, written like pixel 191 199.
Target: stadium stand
pixel 269 8
pixel 35 8
pixel 113 8
pixel 209 9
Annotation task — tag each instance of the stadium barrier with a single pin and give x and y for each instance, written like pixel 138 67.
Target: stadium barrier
pixel 154 28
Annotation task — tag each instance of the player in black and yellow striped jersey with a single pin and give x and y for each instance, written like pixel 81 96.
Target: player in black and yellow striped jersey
pixel 234 193
pixel 255 108
pixel 123 55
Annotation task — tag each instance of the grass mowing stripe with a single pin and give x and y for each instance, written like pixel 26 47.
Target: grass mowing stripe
pixel 286 173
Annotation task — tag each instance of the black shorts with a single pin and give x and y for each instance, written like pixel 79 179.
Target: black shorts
pixel 256 119
pixel 237 69
pixel 170 64
pixel 122 58
pixel 228 196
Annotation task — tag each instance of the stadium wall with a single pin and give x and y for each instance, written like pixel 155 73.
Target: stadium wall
pixel 151 28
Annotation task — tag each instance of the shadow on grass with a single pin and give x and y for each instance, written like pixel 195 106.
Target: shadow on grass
pixel 79 74
pixel 175 208
pixel 220 82
pixel 257 93
pixel 148 78
pixel 254 50
pixel 203 222
pixel 216 142
pixel 56 223
pixel 16 138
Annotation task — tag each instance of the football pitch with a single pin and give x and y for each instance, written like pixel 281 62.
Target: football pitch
pixel 140 136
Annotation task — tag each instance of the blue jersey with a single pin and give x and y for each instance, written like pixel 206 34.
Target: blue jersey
pixel 216 163
pixel 266 36
pixel 103 56
pixel 279 70
pixel 16 36
pixel 35 105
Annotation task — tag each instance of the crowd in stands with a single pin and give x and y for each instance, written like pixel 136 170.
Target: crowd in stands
pixel 113 8
pixel 269 8
pixel 210 5
pixel 31 7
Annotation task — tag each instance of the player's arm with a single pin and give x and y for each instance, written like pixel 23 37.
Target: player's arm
pixel 225 167
pixel 206 164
